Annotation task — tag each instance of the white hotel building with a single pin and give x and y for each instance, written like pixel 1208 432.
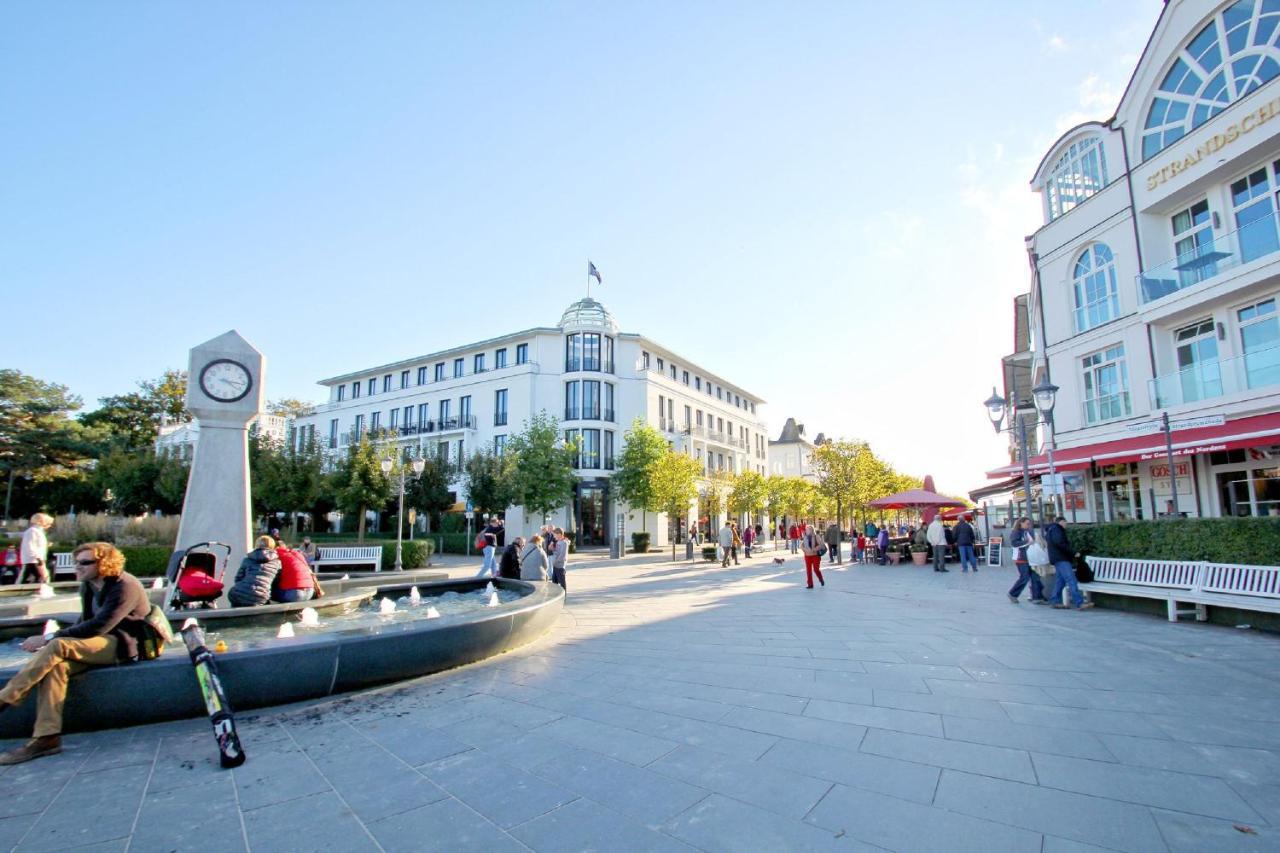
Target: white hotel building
pixel 1157 276
pixel 595 379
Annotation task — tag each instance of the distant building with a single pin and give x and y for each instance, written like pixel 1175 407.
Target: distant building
pixel 179 439
pixel 791 454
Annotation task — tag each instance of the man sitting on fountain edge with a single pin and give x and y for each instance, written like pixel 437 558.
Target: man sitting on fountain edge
pixel 114 607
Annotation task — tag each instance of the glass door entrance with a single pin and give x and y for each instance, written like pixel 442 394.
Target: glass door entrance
pixel 590 505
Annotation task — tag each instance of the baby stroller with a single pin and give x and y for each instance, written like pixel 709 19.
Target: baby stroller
pixel 195 576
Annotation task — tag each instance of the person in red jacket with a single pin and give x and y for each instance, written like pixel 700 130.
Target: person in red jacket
pixel 793 534
pixel 295 580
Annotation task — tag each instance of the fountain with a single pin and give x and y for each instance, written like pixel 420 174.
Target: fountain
pixel 285 632
pixel 310 618
pixel 51 627
pixel 415 597
pixel 493 598
pixel 386 607
pixel 158 583
pixel 45 591
pixel 432 613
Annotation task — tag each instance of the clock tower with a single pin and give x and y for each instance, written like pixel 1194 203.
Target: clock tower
pixel 224 393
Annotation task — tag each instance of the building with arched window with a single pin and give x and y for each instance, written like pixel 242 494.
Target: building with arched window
pixel 592 377
pixel 1156 278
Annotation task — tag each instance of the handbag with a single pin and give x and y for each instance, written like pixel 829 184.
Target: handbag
pixel 822 550
pixel 159 633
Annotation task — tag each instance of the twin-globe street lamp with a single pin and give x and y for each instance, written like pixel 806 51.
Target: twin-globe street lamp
pixel 418 464
pixel 1045 395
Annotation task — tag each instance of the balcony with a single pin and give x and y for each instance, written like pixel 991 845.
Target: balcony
pixel 436 426
pixel 593 365
pixel 1221 378
pixel 1096 410
pixel 1254 240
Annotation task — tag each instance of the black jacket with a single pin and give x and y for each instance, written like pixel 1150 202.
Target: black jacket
pixel 117 610
pixel 509 563
pixel 1055 536
pixel 963 533
pixel 253 582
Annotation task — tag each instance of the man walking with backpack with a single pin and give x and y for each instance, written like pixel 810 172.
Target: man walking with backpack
pixel 1061 555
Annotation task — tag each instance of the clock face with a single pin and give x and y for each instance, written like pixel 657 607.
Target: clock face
pixel 225 380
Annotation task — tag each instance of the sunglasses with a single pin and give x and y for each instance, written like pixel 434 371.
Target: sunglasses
pixel 86 562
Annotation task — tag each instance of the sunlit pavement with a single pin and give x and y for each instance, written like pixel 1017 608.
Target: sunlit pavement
pixel 681 706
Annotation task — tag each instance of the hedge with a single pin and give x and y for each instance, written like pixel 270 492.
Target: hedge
pixel 413 555
pixel 146 561
pixel 1251 541
pixel 640 542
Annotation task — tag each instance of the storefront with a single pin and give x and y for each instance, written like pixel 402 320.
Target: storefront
pixel 1247 481
pixel 590 511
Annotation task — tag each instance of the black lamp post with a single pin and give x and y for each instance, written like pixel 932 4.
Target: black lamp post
pixel 1045 396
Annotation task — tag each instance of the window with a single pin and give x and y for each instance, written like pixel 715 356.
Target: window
pixel 571 400
pixel 522 353
pixel 1080 173
pixel 464 411
pixel 591 400
pixel 1193 244
pixel 684 376
pixel 673 372
pixel 373 386
pixel 1093 288
pixel 719 393
pixel 607 363
pixel 608 401
pixel 375 421
pixel 591 351
pixel 1196 347
pixel 590 452
pixel 477 363
pixel 499 445
pixel 386 384
pixel 1254 211
pixel 644 360
pixel 440 372
pixel 662 411
pixel 1230 57
pixel 737 401
pixel 500 407
pixel 457 367
pixel 499 359
pixel 424 417
pixel 359 425
pixel 572 352
pixel 608 450
pixel 571 440
pixel 461 451
pixel 442 451
pixel 333 432
pixel 688 417
pixel 342 393
pixel 445 407
pixel 408 416
pixel 662 367
pixel 356 388
pixel 1260 340
pixel 422 376
pixel 393 421
pixel 697 383
pixel 699 421
pixel 1106 385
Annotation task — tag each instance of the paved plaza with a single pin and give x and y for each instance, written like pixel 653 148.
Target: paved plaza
pixel 686 707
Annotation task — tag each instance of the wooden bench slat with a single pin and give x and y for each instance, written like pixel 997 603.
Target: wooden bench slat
pixel 1222 584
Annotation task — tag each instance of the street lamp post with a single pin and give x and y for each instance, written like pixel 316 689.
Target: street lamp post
pixel 418 464
pixel 1045 395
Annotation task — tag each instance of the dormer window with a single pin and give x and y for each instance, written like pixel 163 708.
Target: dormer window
pixel 1080 173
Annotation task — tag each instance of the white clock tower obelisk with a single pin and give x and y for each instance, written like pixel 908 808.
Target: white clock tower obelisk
pixel 224 392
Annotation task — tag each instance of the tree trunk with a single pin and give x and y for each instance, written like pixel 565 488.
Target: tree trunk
pixel 360 528
pixel 8 497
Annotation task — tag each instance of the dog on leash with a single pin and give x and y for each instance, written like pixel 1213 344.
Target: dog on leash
pixel 778 561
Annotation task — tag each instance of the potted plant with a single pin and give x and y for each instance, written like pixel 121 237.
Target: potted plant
pixel 709 553
pixel 919 554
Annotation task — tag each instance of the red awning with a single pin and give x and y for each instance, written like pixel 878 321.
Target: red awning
pixel 1233 435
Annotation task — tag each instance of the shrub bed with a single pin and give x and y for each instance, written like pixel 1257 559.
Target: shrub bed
pixel 1253 541
pixel 149 561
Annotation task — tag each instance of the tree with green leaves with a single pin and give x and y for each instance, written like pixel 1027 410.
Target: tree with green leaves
pixel 429 491
pixel 361 482
pixel 632 480
pixel 132 420
pixel 798 498
pixel 673 484
pixel 138 481
pixel 775 487
pixel 836 465
pixel 289 407
pixel 747 493
pixel 543 463
pixel 714 491
pixel 489 482
pixel 37 435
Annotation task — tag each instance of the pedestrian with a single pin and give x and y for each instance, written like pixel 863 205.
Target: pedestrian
pixel 748 539
pixel 533 560
pixel 882 545
pixel 726 544
pixel 1063 559
pixel 113 629
pixel 509 559
pixel 793 538
pixel 1019 541
pixel 693 534
pixel 964 544
pixel 12 565
pixel 560 558
pixel 35 550
pixel 737 541
pixel 489 568
pixel 861 541
pixel 937 538
pixel 310 552
pixel 833 543
pixel 811 545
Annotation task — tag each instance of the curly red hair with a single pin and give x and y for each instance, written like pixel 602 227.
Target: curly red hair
pixel 110 560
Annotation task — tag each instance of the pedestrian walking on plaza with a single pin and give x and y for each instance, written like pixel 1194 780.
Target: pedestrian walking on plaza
pixel 811 546
pixel 1019 541
pixel 882 546
pixel 793 538
pixel 35 550
pixel 737 542
pixel 936 536
pixel 726 544
pixel 964 543
pixel 560 558
pixel 833 543
pixel 533 560
pixel 1062 557
pixel 490 533
pixel 693 534
pixel 748 539
pixel 861 540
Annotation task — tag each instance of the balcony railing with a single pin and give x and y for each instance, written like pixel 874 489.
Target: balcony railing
pixel 1106 408
pixel 500 419
pixel 594 365
pixel 1216 255
pixel 1210 379
pixel 571 413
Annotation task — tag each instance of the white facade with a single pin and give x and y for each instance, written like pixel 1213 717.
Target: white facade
pixel 1158 276
pixel 791 453
pixel 595 379
pixel 179 439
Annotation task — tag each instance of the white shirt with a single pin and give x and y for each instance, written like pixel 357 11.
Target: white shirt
pixel 34 545
pixel 936 534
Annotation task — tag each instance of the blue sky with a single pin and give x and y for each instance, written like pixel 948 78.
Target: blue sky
pixel 822 201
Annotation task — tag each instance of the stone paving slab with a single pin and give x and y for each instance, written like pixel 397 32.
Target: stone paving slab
pixel 680 706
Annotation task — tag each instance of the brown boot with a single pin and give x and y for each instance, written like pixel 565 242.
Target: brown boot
pixel 37 747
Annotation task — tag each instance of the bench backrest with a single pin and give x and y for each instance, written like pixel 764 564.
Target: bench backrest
pixel 1170 574
pixel 362 552
pixel 63 561
pixel 1261 581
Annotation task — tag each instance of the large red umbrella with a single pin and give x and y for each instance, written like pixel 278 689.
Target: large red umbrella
pixel 916 499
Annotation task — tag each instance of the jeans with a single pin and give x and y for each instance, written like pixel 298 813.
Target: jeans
pixel 833 553
pixel 1025 576
pixel 48 671
pixel 939 557
pixel 1065 577
pixel 292 595
pixel 746 549
pixel 967 556
pixel 795 546
pixel 490 564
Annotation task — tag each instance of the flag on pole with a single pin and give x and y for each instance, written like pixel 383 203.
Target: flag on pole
pixel 592 271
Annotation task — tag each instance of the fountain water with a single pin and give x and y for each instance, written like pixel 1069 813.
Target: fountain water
pixel 158 583
pixel 432 613
pixel 386 606
pixel 493 598
pixel 415 597
pixel 310 618
pixel 50 628
pixel 489 588
pixel 285 632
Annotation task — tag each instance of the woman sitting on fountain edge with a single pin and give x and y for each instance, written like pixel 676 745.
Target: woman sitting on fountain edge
pixel 114 607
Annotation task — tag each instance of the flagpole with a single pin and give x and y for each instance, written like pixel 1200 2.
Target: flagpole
pixel 588 279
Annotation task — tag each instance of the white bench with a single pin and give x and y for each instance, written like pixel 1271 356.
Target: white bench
pixel 1199 584
pixel 63 563
pixel 350 556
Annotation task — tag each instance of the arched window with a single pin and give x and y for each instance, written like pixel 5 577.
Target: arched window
pixel 1233 54
pixel 1094 287
pixel 1080 172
